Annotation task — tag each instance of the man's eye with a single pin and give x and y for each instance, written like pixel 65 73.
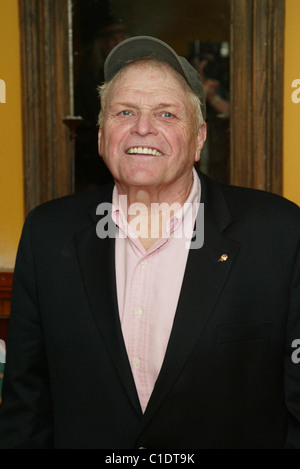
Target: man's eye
pixel 125 113
pixel 167 114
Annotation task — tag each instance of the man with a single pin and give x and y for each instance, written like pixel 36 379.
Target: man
pixel 136 337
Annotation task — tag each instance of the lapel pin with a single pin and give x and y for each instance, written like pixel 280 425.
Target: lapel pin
pixel 223 258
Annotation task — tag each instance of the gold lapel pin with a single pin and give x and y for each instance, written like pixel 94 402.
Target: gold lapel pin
pixel 223 258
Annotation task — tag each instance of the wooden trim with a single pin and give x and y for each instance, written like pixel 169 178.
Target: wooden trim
pixel 46 100
pixel 257 36
pixel 6 280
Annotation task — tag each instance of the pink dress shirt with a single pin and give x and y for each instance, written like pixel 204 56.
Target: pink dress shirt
pixel 148 288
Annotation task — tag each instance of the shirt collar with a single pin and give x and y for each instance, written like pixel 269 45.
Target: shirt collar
pixel 190 204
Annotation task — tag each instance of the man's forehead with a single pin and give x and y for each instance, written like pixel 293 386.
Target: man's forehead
pixel 159 97
pixel 133 75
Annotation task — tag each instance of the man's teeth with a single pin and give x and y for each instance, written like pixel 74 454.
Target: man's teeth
pixel 144 151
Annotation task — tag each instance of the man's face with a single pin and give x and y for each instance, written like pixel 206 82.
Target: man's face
pixel 148 137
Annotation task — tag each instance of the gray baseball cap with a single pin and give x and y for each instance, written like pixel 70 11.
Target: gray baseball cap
pixel 138 47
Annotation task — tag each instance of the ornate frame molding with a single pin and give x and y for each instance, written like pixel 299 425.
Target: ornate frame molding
pixel 46 100
pixel 257 37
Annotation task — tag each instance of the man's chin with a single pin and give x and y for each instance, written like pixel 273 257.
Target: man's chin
pixel 140 178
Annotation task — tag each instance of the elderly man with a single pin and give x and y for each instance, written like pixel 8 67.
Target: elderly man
pixel 134 337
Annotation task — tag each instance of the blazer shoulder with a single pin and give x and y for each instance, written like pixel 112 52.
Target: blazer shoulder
pixel 239 196
pixel 70 210
pixel 251 205
pixel 259 200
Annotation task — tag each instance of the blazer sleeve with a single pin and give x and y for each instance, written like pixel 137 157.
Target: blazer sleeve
pixel 292 362
pixel 25 417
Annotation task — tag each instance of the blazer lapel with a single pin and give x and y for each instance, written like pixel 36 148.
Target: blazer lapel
pixel 97 264
pixel 204 279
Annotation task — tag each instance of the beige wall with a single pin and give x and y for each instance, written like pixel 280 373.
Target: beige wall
pixel 291 127
pixel 11 169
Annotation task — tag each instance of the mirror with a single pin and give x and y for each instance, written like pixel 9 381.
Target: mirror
pixel 196 29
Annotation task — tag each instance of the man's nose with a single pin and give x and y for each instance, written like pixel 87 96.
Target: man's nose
pixel 144 124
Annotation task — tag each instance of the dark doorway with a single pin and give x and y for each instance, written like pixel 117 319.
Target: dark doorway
pixel 196 29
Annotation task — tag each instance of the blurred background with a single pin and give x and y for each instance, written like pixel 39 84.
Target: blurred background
pixel 196 29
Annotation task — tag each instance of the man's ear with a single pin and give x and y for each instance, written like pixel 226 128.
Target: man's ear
pixel 201 137
pixel 99 141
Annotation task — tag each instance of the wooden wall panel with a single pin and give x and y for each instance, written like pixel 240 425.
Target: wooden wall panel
pixel 46 100
pixel 257 37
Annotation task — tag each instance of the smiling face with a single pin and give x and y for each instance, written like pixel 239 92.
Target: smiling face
pixel 148 137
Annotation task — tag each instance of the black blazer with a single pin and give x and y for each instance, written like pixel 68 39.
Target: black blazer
pixel 228 379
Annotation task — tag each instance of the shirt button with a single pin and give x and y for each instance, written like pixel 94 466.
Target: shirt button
pixel 136 362
pixel 144 262
pixel 139 312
